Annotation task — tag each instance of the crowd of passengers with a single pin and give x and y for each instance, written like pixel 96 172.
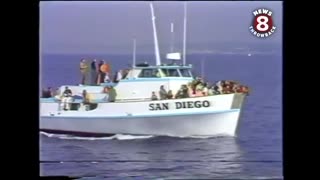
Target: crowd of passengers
pixel 67 97
pixel 199 87
pixel 196 88
pixel 95 73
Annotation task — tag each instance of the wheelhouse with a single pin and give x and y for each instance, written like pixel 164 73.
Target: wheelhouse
pixel 163 71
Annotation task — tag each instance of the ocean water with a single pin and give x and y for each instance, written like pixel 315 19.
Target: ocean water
pixel 256 153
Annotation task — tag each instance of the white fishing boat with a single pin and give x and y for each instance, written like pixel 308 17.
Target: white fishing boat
pixel 134 112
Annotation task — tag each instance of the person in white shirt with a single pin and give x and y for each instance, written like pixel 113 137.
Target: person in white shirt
pixel 106 77
pixel 119 75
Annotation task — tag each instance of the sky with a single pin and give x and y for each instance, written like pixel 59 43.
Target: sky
pixel 105 26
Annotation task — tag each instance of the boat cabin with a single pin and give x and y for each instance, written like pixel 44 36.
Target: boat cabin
pixel 140 82
pixel 146 71
pixel 143 79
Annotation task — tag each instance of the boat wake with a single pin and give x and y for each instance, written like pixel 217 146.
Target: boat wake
pixel 123 137
pixel 114 137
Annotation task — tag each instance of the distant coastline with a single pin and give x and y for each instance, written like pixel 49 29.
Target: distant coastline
pixel 263 47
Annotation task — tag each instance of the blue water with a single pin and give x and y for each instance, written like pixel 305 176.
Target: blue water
pixel 255 154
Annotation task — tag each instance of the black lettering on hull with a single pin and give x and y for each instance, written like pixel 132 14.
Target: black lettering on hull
pixel 158 106
pixel 179 105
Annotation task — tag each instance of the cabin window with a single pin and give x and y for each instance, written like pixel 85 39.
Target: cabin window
pixel 171 72
pixel 185 73
pixel 149 73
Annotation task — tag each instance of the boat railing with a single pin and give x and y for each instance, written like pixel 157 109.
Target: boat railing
pixel 98 101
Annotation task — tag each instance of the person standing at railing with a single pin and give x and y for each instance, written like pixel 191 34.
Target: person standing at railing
pixel 94 72
pixel 107 78
pixel 100 73
pixel 84 72
pixel 118 76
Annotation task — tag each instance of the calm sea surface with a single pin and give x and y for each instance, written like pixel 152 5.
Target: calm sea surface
pixel 255 154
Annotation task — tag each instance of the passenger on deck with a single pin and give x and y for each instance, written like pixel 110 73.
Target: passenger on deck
pixel 67 98
pixel 85 97
pixel 100 73
pixel 199 87
pixel 115 77
pixel 43 93
pixel 190 90
pixel 210 91
pixel 118 76
pixel 236 88
pixel 84 71
pixel 154 96
pixel 47 93
pixel 106 90
pixel 194 84
pixel 125 72
pixel 107 78
pixel 199 90
pixel 205 89
pixel 112 94
pixel 216 90
pixel 183 92
pixel 245 89
pixel 94 72
pixel 227 89
pixel 163 93
pixel 50 92
pixel 219 86
pixel 169 95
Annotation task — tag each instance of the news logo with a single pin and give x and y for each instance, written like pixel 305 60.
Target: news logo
pixel 262 25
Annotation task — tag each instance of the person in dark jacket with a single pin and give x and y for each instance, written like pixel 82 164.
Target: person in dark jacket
pixel 94 72
pixel 47 93
pixel 182 92
pixel 169 95
pixel 101 74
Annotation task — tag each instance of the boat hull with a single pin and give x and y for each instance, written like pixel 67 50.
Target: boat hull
pixel 196 124
pixel 213 115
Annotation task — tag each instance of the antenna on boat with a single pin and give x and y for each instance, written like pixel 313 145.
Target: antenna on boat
pixel 156 47
pixel 184 33
pixel 134 54
pixel 172 37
